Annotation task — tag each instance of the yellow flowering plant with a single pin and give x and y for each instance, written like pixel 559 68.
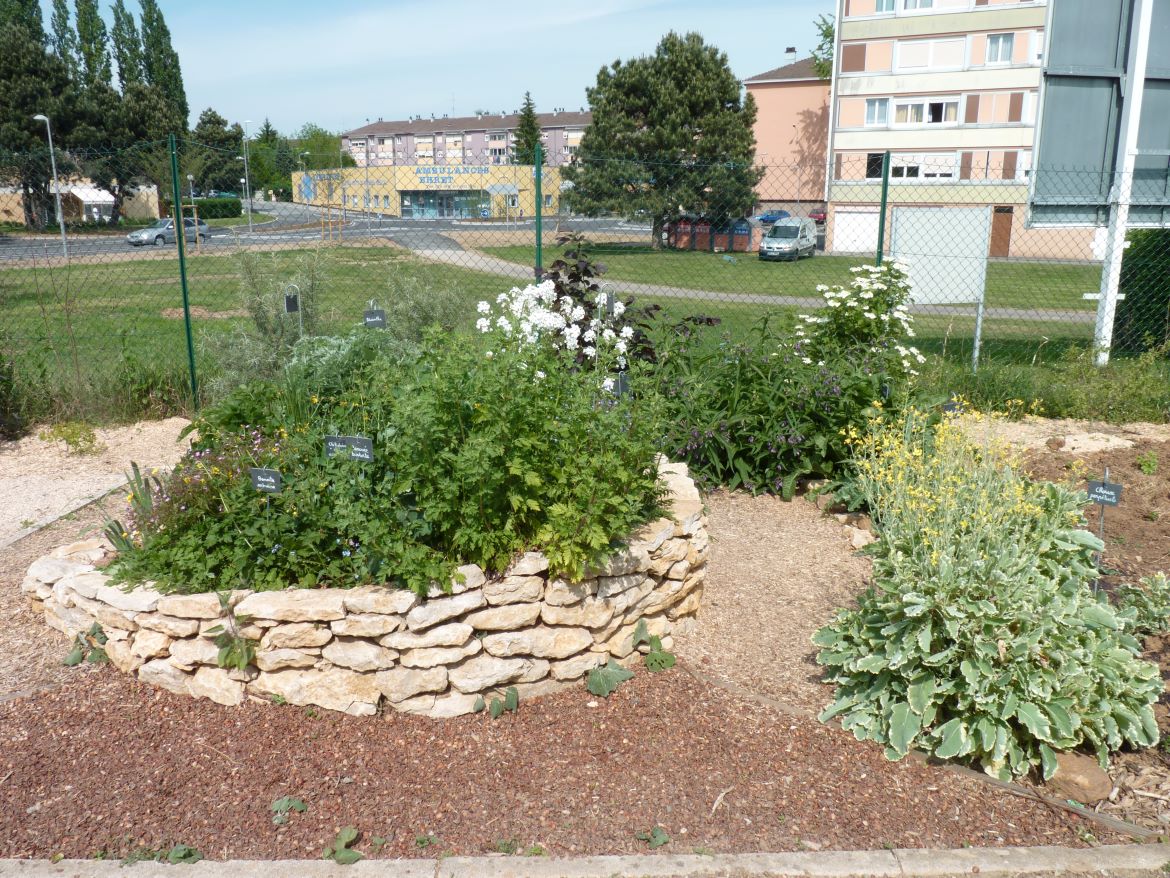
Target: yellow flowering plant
pixel 981 639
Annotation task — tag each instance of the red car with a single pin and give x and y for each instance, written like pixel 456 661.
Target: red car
pixel 817 215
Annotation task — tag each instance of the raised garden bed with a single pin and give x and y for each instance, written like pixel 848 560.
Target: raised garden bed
pixel 353 650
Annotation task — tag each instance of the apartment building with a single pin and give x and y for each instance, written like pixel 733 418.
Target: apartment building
pixel 792 132
pixel 950 88
pixel 483 139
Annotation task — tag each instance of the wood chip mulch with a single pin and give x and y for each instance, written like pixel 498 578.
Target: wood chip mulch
pixel 104 764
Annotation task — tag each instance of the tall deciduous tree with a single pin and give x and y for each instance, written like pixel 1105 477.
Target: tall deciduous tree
pixel 527 134
pixel 822 53
pixel 671 134
pixel 63 40
pixel 93 44
pixel 212 157
pixel 127 46
pixel 161 61
pixel 26 14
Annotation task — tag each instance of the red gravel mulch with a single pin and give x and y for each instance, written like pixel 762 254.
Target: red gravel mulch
pixel 105 763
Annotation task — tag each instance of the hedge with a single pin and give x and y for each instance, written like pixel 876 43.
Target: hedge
pixel 210 208
pixel 1143 316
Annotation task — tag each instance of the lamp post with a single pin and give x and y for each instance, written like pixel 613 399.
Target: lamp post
pixel 41 117
pixel 247 178
pixel 194 209
pixel 305 173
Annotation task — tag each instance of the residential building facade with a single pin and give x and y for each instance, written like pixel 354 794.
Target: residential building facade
pixel 792 132
pixel 484 139
pixel 950 88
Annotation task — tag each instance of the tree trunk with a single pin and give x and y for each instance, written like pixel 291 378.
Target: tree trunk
pixel 656 231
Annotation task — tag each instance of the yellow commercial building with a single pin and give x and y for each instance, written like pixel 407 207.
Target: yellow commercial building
pixel 433 191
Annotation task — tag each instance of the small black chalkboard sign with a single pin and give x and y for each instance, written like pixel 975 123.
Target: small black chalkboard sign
pixel 1104 493
pixel 292 303
pixel 266 480
pixel 336 445
pixel 375 318
pixel 360 448
pixel 952 406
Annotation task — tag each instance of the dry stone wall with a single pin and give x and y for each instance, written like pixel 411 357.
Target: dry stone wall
pixel 356 649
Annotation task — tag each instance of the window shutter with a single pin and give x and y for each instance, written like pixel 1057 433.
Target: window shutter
pixel 1016 106
pixel 966 160
pixel 853 58
pixel 972 114
pixel 1009 165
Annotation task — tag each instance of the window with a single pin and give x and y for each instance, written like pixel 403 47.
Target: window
pixel 884 6
pixel 929 112
pixel 499 155
pixel 385 201
pixel 876 110
pixel 873 166
pixel 548 201
pixel 917 4
pixel 999 48
pixel 513 201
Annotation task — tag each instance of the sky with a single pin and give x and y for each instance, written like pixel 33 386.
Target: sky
pixel 340 63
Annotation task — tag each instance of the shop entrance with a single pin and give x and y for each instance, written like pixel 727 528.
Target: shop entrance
pixel 462 204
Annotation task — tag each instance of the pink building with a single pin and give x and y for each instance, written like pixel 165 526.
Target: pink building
pixel 792 132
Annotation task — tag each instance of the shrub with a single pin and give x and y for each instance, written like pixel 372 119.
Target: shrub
pixel 219 208
pixel 1143 316
pixel 484 447
pixel 980 639
pixel 1150 603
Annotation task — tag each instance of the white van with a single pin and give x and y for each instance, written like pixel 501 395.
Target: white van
pixel 790 238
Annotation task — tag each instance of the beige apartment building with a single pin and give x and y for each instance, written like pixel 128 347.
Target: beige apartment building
pixel 950 88
pixel 792 133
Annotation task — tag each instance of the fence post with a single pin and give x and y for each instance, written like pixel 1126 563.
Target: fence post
pixel 881 242
pixel 181 243
pixel 537 173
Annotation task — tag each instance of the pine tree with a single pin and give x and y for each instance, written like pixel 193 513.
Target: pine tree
pixel 212 158
pixel 160 61
pixel 25 14
pixel 63 41
pixel 127 46
pixel 267 134
pixel 527 134
pixel 92 44
pixel 671 134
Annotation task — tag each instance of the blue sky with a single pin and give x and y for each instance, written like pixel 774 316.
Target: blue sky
pixel 339 63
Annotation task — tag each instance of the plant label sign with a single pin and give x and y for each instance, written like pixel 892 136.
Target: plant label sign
pixel 1104 493
pixel 292 303
pixel 265 480
pixel 360 448
pixel 375 318
pixel 336 445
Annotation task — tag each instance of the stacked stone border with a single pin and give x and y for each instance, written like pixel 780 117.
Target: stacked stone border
pixel 355 650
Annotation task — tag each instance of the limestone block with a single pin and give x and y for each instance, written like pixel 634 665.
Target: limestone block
pixel 172 626
pixel 197 606
pixel 528 564
pixel 485 671
pixel 429 657
pixel 84 584
pixel 631 598
pixel 138 600
pixel 359 655
pixel 163 674
pixel 591 613
pixel 49 569
pixel 30 585
pixel 503 618
pixel 679 570
pixel 688 606
pixel 83 551
pixel 216 684
pixel 106 616
pixel 451 634
pixel 632 559
pixel 542 642
pixel 466 578
pixel 333 689
pixel 513 590
pixel 441 609
pixel 150 644
pixel 68 620
pixel 296 635
pixel 399 684
pixel 121 656
pixel 439 706
pixel 650 536
pixel 577 667
pixel 380 599
pixel 193 651
pixel 366 625
pixel 608 586
pixel 562 593
pixel 622 643
pixel 275 659
pixel 538 688
pixel 295 605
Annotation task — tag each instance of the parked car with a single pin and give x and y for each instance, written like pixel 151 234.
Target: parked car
pixel 163 232
pixel 789 238
pixel 772 216
pixel 221 193
pixel 818 215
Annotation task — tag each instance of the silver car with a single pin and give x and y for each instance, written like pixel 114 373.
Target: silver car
pixel 163 232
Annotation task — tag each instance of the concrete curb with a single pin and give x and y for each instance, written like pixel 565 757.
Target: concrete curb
pixel 1131 861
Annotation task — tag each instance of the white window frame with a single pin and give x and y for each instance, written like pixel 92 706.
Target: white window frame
pixel 880 107
pixel 881 7
pixel 915 5
pixel 924 103
pixel 931 64
pixel 999 40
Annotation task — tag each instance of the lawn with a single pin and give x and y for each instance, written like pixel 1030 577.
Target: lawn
pixel 1035 285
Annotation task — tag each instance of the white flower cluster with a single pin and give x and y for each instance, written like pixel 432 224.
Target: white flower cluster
pixel 526 316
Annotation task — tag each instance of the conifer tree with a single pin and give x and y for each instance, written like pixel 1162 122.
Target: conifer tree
pixel 25 14
pixel 63 40
pixel 160 61
pixel 93 45
pixel 527 134
pixel 127 46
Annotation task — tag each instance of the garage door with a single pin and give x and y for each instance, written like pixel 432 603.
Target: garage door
pixel 855 231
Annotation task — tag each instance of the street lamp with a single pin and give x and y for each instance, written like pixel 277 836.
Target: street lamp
pixel 194 209
pixel 41 117
pixel 247 184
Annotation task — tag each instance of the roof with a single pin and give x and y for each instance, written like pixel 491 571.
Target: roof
pixel 797 71
pixel 91 195
pixel 486 122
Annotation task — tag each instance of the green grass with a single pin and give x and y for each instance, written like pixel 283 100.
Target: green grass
pixel 229 221
pixel 1036 285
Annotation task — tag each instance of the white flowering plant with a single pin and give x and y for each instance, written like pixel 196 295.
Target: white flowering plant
pixel 868 315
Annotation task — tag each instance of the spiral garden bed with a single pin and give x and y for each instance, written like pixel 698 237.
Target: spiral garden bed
pixel 353 650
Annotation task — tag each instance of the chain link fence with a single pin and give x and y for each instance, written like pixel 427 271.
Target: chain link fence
pixel 115 318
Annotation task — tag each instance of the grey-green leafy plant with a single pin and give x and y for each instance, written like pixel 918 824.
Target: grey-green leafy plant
pixel 497 707
pixel 283 806
pixel 425 840
pixel 88 646
pixel 604 680
pixel 340 851
pixel 1147 462
pixel 655 837
pixel 1149 602
pixel 235 650
pixel 657 659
